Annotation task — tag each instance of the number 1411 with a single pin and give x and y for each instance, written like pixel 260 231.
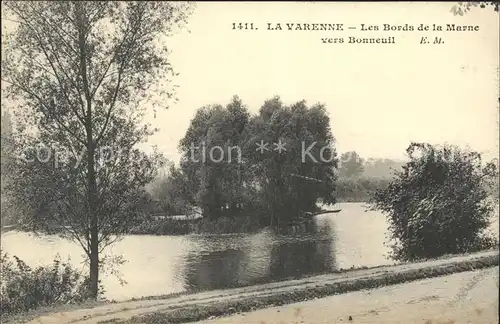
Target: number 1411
pixel 243 26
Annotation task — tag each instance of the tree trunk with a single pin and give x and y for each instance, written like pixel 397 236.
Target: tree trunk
pixel 93 217
pixel 94 263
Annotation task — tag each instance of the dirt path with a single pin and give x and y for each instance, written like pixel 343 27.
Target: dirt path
pixel 126 310
pixel 467 297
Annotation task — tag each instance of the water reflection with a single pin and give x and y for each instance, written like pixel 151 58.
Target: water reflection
pixel 169 264
pixel 292 260
pixel 262 257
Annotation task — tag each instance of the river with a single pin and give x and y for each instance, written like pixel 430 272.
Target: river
pixel 159 265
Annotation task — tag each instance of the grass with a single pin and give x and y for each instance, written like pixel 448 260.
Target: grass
pixel 32 314
pixel 225 308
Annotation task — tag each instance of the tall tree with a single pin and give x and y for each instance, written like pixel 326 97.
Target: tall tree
pixel 83 72
pixel 296 167
pixel 211 157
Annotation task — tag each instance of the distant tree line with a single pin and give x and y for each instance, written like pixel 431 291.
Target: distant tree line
pixel 359 178
pixel 359 189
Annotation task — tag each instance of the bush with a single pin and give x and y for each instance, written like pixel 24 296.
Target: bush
pixel 439 204
pixel 23 288
pixel 167 226
pixel 239 223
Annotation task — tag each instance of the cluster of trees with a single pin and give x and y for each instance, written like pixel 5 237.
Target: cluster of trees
pixel 224 173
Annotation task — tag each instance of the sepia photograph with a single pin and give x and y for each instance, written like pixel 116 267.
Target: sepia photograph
pixel 250 162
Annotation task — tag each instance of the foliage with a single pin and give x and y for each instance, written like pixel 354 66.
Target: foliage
pixel 84 74
pixel 8 210
pixel 211 158
pixel 172 193
pixel 463 7
pixel 439 203
pixel 151 226
pixel 24 288
pixel 291 182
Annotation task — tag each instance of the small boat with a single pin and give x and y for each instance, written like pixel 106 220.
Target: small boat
pixel 334 211
pixel 320 212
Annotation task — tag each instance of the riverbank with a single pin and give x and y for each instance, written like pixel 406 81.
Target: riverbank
pixel 242 223
pixel 189 308
pixel 175 227
pixel 466 297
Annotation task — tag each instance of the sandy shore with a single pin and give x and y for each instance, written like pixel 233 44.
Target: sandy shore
pixel 467 297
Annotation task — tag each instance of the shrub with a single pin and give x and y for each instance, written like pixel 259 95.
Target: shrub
pixel 24 288
pixel 439 204
pixel 150 226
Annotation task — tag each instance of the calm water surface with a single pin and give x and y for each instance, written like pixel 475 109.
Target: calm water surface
pixel 168 264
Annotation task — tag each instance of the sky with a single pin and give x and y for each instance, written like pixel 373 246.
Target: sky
pixel 379 97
